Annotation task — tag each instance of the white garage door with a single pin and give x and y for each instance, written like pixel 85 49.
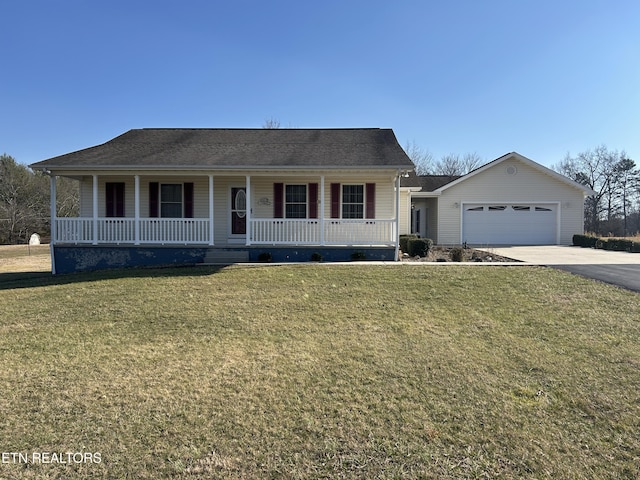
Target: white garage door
pixel 509 224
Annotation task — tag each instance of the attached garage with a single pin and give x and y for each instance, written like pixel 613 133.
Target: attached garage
pixel 509 201
pixel 510 224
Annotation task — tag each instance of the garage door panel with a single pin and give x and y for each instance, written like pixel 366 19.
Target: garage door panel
pixel 509 224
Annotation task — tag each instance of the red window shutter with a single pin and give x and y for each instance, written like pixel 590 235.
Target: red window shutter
pixel 371 200
pixel 278 200
pixel 154 192
pixel 188 200
pixel 109 192
pixel 313 200
pixel 335 200
pixel 119 199
pixel 114 196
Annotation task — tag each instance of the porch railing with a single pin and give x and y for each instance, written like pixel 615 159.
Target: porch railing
pixel 174 230
pixel 275 231
pixel 272 231
pixel 123 230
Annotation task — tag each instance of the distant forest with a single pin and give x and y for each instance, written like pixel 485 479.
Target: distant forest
pixel 25 201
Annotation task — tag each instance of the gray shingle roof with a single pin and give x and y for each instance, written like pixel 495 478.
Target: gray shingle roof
pixel 428 183
pixel 241 148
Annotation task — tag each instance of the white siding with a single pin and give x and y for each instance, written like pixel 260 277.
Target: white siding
pixel 86 197
pixel 262 201
pixel 528 185
pixel 405 212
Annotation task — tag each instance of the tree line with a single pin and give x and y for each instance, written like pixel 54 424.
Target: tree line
pixel 614 210
pixel 25 199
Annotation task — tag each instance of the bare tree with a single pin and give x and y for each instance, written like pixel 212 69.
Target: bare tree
pixel 451 165
pixel 599 169
pixel 455 165
pixel 421 157
pixel 628 182
pixel 271 123
pixel 25 201
pixel 23 207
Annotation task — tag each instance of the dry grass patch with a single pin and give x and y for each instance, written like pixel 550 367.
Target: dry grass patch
pixel 24 258
pixel 323 371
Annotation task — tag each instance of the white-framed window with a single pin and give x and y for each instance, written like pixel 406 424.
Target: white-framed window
pixel 171 201
pixel 295 201
pixel 353 201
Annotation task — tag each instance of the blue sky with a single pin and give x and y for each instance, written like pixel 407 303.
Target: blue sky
pixel 539 77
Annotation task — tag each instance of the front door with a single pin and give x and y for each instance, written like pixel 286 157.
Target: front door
pixel 238 211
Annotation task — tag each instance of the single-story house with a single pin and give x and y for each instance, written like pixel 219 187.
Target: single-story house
pixel 509 201
pixel 186 196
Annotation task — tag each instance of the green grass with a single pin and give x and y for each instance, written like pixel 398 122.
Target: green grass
pixel 322 372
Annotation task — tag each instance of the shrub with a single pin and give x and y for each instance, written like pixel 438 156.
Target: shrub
pixel 617 244
pixel 585 241
pixel 316 257
pixel 358 256
pixel 404 242
pixel 419 246
pixel 265 257
pixel 635 247
pixel 456 254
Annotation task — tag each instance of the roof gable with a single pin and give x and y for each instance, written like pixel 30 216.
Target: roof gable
pixel 240 148
pixel 514 155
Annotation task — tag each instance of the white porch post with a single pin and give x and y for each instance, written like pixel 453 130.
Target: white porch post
pixel 211 229
pixel 396 234
pixel 95 209
pixel 322 210
pixel 137 209
pixel 54 216
pixel 248 207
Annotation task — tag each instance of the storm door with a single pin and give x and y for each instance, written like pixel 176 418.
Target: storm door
pixel 238 211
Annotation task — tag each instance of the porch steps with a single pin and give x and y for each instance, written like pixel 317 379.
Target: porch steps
pixel 216 256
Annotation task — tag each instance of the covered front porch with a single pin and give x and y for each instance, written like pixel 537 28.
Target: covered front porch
pixel 230 210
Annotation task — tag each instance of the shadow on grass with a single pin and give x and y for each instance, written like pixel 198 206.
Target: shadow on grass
pixel 9 281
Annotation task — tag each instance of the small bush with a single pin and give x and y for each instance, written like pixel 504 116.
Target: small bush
pixel 358 256
pixel 456 254
pixel 419 246
pixel 585 241
pixel 404 242
pixel 635 247
pixel 618 245
pixel 316 257
pixel 265 257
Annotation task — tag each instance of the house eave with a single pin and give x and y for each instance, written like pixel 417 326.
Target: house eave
pixel 418 194
pixel 212 168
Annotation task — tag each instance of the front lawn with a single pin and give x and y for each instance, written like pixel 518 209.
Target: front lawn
pixel 318 371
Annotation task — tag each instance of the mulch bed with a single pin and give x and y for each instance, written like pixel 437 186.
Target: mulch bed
pixel 443 254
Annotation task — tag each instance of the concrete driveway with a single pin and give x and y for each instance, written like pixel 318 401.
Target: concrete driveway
pixel 618 268
pixel 566 255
